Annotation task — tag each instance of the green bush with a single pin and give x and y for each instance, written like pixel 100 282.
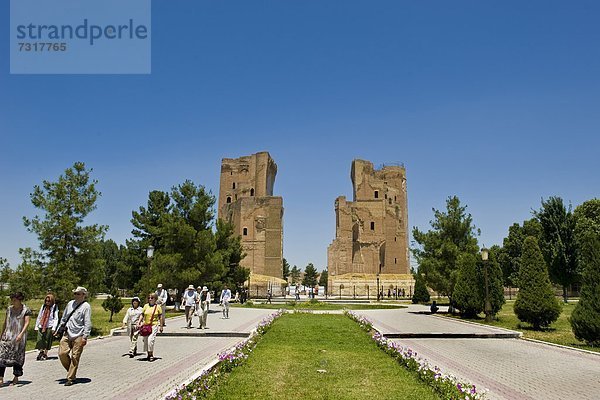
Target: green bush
pixel 421 294
pixel 113 304
pixel 468 291
pixel 585 319
pixel 536 303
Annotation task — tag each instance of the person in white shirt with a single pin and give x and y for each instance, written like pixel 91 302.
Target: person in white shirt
pixel 224 301
pixel 45 325
pixel 130 321
pixel 162 296
pixel 189 300
pixel 78 328
pixel 204 301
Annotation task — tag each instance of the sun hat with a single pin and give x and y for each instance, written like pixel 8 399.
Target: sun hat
pixel 191 287
pixel 204 289
pixel 80 289
pixel 159 286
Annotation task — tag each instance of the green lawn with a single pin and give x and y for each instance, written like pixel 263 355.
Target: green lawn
pixel 559 332
pixel 318 305
pixel 286 361
pixel 100 324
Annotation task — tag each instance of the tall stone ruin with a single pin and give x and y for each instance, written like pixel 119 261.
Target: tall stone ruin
pixel 370 250
pixel 246 200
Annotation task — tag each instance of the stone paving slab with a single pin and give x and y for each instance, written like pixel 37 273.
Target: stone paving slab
pixel 508 368
pixel 515 368
pixel 409 322
pixel 106 372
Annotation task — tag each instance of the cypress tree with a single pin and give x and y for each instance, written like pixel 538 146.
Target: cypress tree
pixel 468 295
pixel 585 320
pixel 536 303
pixel 421 294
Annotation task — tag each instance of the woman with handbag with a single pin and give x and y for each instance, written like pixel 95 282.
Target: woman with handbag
pixel 150 324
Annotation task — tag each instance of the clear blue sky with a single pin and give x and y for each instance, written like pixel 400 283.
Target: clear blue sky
pixel 496 102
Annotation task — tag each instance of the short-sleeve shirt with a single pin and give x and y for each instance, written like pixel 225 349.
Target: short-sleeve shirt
pixel 148 310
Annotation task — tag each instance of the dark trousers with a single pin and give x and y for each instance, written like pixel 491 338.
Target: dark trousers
pixel 17 370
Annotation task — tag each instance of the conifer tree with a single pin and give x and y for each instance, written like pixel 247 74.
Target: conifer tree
pixel 468 292
pixel 536 303
pixel 421 294
pixel 585 320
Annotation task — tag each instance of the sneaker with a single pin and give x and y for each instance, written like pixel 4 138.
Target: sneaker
pixel 131 355
pixel 39 357
pixel 69 383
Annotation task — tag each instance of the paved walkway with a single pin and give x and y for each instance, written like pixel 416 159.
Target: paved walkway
pixel 509 368
pixel 106 372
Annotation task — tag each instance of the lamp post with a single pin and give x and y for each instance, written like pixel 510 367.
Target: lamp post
pixel 378 286
pixel 149 255
pixel 487 309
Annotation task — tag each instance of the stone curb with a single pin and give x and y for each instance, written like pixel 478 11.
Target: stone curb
pixel 443 335
pixel 520 334
pixel 562 346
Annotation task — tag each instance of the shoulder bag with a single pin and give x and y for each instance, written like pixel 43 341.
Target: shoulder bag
pixel 146 329
pixel 63 326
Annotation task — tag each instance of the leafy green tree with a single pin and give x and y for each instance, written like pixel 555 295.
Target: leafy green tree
pixel 495 280
pixel 509 256
pixel 113 304
pixel 585 320
pixel 420 294
pixel 285 269
pixel 68 245
pixel 536 303
pixel 111 256
pixel 558 242
pixel 29 277
pixel 438 249
pixel 5 275
pixel 310 276
pixel 295 275
pixel 323 278
pixel 587 220
pixel 468 292
pixel 187 250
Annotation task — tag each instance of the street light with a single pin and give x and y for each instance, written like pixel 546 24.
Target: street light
pixel 378 286
pixel 487 306
pixel 149 255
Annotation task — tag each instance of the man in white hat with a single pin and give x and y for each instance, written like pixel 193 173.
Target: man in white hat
pixel 204 304
pixel 161 300
pixel 189 300
pixel 77 319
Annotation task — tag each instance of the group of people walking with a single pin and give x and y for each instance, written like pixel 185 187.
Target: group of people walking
pixel 72 331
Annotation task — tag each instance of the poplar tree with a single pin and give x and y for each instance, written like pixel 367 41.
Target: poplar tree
pixel 421 294
pixel 468 292
pixel 536 303
pixel 558 242
pixel 585 320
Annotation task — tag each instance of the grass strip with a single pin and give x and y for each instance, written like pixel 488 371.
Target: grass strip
pixel 318 357
pixel 559 332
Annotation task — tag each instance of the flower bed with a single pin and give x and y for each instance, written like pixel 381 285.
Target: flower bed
pixel 199 387
pixel 447 386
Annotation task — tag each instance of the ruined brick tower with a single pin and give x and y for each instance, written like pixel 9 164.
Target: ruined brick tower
pixel 370 249
pixel 246 199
